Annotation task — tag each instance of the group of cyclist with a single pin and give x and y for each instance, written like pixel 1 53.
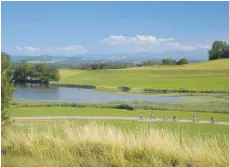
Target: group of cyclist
pixel 194 119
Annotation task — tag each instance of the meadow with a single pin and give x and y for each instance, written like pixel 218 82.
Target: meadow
pixel 72 111
pixel 215 107
pixel 103 144
pixel 212 75
pixel 109 143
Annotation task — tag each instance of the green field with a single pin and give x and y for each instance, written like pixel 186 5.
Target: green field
pixel 132 126
pixel 71 111
pixel 212 75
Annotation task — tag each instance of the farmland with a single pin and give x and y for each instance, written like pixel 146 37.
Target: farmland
pixel 212 75
pixel 123 142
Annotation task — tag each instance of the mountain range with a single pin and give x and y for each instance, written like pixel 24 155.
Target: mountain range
pixel 119 57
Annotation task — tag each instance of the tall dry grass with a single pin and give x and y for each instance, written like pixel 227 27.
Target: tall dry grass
pixel 66 145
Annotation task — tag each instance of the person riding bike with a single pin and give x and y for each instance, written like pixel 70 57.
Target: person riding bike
pixel 174 118
pixel 152 116
pixel 165 117
pixel 194 118
pixel 142 116
pixel 213 120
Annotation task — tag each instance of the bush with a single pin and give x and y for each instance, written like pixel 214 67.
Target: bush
pixel 182 90
pixel 182 61
pixel 125 106
pixel 124 88
pixel 74 86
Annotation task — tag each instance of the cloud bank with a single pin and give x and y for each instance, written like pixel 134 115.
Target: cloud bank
pixel 73 48
pixel 149 43
pixel 28 48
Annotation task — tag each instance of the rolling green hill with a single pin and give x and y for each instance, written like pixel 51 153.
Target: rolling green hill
pixel 210 75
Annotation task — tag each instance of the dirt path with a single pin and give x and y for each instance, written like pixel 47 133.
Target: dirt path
pixel 106 118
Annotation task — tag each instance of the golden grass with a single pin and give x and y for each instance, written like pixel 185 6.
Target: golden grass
pixel 98 145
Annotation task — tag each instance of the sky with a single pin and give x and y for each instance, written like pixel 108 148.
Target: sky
pixel 77 28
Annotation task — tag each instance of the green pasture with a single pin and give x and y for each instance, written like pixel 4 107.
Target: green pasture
pixel 71 111
pixel 132 126
pixel 212 75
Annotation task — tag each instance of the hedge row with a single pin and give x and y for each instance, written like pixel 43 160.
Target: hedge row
pixel 135 105
pixel 124 88
pixel 78 105
pixel 185 91
pixel 74 86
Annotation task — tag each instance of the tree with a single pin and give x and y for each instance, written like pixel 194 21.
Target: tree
pixel 7 89
pixel 22 71
pixel 41 72
pixel 182 61
pixel 168 62
pixel 220 49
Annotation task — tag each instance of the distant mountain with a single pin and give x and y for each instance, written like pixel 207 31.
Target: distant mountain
pixel 35 59
pixel 199 55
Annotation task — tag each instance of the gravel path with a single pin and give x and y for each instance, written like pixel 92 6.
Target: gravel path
pixel 106 118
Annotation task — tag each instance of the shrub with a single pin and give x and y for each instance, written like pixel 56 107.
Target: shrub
pixel 74 86
pixel 124 88
pixel 125 106
pixel 182 90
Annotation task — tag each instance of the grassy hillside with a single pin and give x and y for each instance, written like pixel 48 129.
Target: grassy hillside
pixel 211 75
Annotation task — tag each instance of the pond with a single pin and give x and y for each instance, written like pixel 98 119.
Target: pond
pixel 63 94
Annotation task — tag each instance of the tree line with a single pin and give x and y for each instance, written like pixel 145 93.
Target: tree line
pixel 95 66
pixel 163 62
pixel 34 73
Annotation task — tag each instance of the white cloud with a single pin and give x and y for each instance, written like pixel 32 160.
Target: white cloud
pixel 178 46
pixel 28 48
pixel 149 43
pixel 204 46
pixel 73 48
pixel 138 39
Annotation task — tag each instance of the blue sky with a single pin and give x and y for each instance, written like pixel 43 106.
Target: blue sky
pixel 70 28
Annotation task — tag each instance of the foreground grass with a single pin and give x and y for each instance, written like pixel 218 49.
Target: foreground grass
pixel 191 129
pixel 72 111
pixel 196 76
pixel 94 144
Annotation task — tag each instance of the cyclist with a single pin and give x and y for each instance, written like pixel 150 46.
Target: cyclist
pixel 152 116
pixel 165 118
pixel 142 116
pixel 174 118
pixel 213 120
pixel 194 118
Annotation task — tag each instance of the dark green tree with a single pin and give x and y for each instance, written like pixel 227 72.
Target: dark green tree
pixel 220 49
pixel 7 89
pixel 22 71
pixel 169 62
pixel 182 61
pixel 41 72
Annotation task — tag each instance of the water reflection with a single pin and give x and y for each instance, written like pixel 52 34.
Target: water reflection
pixel 62 94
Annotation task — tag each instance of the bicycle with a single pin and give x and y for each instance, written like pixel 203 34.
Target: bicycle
pixel 141 117
pixel 213 121
pixel 175 120
pixel 195 121
pixel 165 118
pixel 152 117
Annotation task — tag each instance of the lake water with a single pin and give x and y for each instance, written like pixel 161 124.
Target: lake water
pixel 63 94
